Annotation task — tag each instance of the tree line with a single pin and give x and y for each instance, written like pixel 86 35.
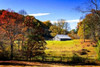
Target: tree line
pixel 25 31
pixel 89 27
pixel 22 35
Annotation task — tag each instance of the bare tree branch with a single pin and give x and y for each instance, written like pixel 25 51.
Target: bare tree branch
pixel 95 3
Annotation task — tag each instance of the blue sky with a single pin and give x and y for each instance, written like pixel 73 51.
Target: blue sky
pixel 47 9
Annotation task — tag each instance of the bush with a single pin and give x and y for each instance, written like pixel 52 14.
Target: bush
pixel 77 59
pixel 4 52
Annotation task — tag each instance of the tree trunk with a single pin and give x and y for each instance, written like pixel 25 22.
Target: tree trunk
pixel 11 50
pixel 94 38
pixel 84 32
pixel 22 43
pixel 93 34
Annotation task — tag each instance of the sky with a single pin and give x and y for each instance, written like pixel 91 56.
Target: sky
pixel 43 10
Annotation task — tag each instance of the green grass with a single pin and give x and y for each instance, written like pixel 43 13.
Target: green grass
pixel 68 48
pixel 61 45
pixel 98 49
pixel 61 48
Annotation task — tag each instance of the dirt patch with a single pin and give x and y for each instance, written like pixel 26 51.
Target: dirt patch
pixel 38 64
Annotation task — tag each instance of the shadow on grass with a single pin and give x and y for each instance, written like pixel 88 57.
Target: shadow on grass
pixel 68 63
pixel 75 60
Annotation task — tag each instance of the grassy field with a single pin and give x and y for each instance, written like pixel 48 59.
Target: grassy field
pixel 59 49
pixel 68 48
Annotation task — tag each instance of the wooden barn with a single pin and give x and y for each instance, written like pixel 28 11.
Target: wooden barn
pixel 61 38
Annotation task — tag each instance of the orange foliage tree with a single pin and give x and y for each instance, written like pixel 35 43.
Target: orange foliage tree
pixel 35 42
pixel 11 24
pixel 91 24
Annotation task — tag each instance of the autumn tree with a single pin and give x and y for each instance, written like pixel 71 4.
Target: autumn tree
pixel 27 29
pixel 11 24
pixel 91 27
pixel 35 43
pixel 47 25
pixel 81 33
pixel 62 24
pixel 60 27
pixel 93 8
pixel 73 34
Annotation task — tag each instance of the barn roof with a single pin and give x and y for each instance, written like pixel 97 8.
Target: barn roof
pixel 63 36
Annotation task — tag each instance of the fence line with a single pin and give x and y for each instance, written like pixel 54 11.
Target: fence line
pixel 58 59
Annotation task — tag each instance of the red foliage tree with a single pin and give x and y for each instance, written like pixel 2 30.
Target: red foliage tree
pixel 11 23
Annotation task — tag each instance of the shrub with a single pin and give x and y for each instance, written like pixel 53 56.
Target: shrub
pixel 77 59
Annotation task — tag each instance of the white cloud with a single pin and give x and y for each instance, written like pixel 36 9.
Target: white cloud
pixel 69 21
pixel 39 14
